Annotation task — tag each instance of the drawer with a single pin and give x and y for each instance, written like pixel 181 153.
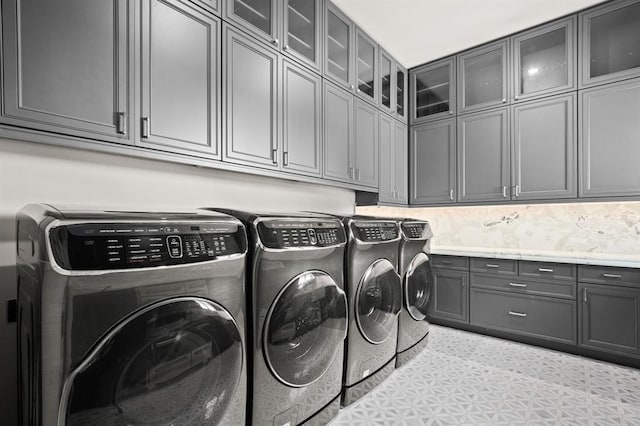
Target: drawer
pixel 609 275
pixel 535 316
pixel 562 289
pixel 556 271
pixel 494 266
pixel 450 262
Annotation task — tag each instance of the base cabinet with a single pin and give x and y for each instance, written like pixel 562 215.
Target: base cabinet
pixel 610 318
pixel 450 300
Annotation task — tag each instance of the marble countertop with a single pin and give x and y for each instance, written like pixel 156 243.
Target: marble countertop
pixel 581 258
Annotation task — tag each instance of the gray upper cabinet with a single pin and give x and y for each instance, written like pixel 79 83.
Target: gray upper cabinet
pixel 68 67
pixel 483 156
pixel 433 163
pixel 366 144
pixel 393 161
pixel 609 318
pixel 301 32
pixel 366 67
pixel 180 105
pixel 386 93
pixel 250 99
pixel 301 120
pixel 610 42
pixel 544 60
pixel 609 140
pixel 338 133
pixel 401 161
pixel 483 79
pixel 433 93
pixel 258 17
pixel 544 149
pixel 401 92
pixel 338 48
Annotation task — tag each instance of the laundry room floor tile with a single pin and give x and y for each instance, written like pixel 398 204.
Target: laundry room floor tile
pixel 464 378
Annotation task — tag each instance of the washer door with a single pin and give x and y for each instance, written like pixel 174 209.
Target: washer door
pixel 417 286
pixel 178 362
pixel 378 301
pixel 304 328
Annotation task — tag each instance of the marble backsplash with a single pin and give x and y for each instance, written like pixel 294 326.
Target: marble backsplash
pixel 607 229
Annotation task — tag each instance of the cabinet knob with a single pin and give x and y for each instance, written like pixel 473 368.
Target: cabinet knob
pixel 286 47
pixel 515 97
pixel 450 112
pixel 275 41
pixel 358 90
pixel 353 87
pixel 504 100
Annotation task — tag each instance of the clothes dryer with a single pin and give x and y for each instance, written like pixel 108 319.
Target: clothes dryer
pixel 299 317
pixel 417 286
pixel 374 297
pixel 129 318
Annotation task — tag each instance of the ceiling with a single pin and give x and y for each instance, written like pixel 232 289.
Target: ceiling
pixel 419 31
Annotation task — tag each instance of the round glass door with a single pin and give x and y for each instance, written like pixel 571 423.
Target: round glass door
pixel 304 328
pixel 378 301
pixel 177 362
pixel 417 287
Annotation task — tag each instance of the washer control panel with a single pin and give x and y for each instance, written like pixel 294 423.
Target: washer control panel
pixel 375 231
pixel 416 230
pixel 101 246
pixel 290 233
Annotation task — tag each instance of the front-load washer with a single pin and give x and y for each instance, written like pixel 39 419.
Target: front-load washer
pixel 299 317
pixel 374 299
pixel 417 284
pixel 128 318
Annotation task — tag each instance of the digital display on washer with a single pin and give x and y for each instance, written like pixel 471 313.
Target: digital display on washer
pixel 283 233
pixel 417 230
pixel 371 231
pixel 100 246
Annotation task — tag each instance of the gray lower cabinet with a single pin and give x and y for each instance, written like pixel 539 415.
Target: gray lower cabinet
pixel 610 318
pixel 338 133
pixel 180 90
pixel 450 299
pixel 301 120
pixel 250 99
pixel 432 167
pixel 68 67
pixel 609 125
pixel 393 161
pixel 483 156
pixel 544 149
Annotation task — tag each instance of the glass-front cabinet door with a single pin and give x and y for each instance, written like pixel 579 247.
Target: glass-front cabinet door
pixel 366 66
pixel 256 16
pixel 338 47
pixel 433 91
pixel 301 30
pixel 610 42
pixel 386 83
pixel 401 92
pixel 482 77
pixel 544 60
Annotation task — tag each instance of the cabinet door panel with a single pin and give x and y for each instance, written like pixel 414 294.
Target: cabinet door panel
pixel 610 318
pixel 302 115
pixel 339 48
pixel 180 78
pixel 482 77
pixel 250 99
pixel 386 193
pixel 387 97
pixel 451 295
pixel 259 17
pixel 401 152
pixel 544 149
pixel 433 163
pixel 366 67
pixel 338 133
pixel 433 91
pixel 401 92
pixel 483 156
pixel 610 140
pixel 67 67
pixel 301 30
pixel 366 144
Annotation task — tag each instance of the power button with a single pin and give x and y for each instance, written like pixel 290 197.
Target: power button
pixel 174 244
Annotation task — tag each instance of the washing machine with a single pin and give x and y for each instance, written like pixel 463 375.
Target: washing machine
pixel 129 318
pixel 299 323
pixel 374 295
pixel 417 287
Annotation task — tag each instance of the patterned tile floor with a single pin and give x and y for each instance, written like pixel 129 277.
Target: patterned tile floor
pixel 464 378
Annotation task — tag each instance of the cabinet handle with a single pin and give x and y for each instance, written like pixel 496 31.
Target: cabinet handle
pixel 492 265
pixel 504 192
pixel 145 127
pixel 612 276
pixel 545 270
pixel 451 194
pixel 504 100
pixel 286 47
pixel 515 97
pixel 285 158
pixel 351 172
pixel 584 295
pixel 450 112
pixel 358 90
pixel 274 155
pixel 518 314
pixel 122 123
pixel 517 285
pixel 357 174
pixel 517 190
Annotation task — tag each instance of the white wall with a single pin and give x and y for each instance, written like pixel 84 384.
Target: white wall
pixel 32 173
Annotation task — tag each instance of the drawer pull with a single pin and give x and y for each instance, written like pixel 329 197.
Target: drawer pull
pixel 492 265
pixel 518 314
pixel 612 275
pixel 545 270
pixel 518 285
